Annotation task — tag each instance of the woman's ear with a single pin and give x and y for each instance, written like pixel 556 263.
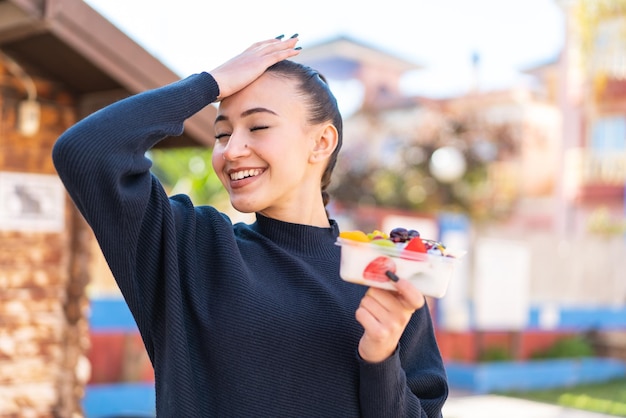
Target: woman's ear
pixel 325 143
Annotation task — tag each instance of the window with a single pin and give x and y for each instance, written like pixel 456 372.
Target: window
pixel 609 135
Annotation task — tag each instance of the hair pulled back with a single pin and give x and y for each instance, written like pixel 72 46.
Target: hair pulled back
pixel 321 107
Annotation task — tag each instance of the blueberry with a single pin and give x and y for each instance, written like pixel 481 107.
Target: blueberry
pixel 399 235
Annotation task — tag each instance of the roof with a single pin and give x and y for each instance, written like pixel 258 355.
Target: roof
pixel 341 57
pixel 543 67
pixel 71 43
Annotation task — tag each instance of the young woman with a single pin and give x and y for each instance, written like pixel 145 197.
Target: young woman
pixel 248 320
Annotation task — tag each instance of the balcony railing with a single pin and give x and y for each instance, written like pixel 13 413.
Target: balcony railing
pixel 591 175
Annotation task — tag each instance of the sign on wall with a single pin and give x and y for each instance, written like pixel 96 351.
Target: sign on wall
pixel 501 284
pixel 31 202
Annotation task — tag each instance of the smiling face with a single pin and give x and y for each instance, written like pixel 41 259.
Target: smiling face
pixel 266 153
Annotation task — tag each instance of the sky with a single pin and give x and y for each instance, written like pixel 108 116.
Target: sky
pixel 441 36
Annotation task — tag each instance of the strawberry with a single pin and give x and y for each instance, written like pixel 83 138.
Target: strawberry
pixel 416 245
pixel 377 268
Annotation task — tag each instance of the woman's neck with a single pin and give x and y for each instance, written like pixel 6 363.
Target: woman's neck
pixel 304 217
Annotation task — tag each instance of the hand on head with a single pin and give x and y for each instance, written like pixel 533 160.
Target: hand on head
pixel 243 69
pixel 384 314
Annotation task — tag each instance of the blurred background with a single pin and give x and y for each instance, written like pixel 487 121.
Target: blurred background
pixel 495 126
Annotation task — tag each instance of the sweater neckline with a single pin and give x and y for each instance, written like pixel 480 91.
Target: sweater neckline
pixel 306 240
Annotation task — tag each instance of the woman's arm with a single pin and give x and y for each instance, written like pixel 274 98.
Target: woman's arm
pixel 101 161
pixel 402 373
pixel 103 155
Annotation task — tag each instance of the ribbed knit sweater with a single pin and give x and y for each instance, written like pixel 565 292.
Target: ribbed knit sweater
pixel 238 320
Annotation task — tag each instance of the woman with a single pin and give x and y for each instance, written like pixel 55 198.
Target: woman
pixel 248 320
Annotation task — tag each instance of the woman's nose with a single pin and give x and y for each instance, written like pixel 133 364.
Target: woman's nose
pixel 236 147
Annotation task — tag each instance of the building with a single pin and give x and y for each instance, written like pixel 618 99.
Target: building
pixel 59 61
pixel 533 135
pixel 593 101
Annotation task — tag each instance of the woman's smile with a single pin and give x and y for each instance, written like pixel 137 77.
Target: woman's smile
pixel 242 177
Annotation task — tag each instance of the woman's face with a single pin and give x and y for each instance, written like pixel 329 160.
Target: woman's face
pixel 263 148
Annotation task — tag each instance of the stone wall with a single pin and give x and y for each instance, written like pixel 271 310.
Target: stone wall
pixel 43 273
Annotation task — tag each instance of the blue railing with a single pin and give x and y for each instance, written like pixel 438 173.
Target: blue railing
pixel 137 399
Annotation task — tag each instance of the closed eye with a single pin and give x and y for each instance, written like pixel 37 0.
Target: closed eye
pixel 258 128
pixel 220 136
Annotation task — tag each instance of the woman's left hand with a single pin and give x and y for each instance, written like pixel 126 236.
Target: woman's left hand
pixel 243 69
pixel 384 314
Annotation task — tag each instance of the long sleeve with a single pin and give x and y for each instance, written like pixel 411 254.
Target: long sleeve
pixel 101 160
pixel 238 320
pixel 410 383
pixel 110 144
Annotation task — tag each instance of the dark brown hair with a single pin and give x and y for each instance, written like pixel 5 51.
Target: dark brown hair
pixel 321 105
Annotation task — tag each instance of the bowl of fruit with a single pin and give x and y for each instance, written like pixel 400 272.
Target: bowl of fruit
pixel 378 259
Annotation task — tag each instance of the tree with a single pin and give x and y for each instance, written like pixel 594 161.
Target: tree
pixel 405 179
pixel 189 171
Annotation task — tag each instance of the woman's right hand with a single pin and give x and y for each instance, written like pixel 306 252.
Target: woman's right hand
pixel 239 71
pixel 384 315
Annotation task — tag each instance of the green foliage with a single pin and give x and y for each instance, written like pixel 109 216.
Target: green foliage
pixel 494 354
pixel 571 347
pixel 398 175
pixel 605 397
pixel 189 171
pixel 602 223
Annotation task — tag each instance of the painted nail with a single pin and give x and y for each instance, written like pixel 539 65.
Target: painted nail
pixel 392 276
pixel 279 37
pixel 295 35
pixel 298 48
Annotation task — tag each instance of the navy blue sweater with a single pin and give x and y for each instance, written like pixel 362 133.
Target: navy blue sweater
pixel 238 320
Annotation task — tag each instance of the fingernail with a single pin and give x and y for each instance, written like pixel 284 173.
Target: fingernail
pixel 298 48
pixel 392 276
pixel 280 37
pixel 295 35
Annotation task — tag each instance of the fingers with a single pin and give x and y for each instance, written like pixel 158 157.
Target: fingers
pixel 405 298
pixel 246 67
pixel 380 339
pixel 410 297
pixel 276 48
pixel 384 315
pixel 385 300
pixel 379 308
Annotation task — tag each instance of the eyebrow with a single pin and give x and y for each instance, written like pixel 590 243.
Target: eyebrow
pixel 247 113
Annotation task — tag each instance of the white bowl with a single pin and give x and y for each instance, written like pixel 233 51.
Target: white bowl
pixel 429 273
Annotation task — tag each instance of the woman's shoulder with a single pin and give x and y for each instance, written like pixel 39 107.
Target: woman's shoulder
pixel 203 216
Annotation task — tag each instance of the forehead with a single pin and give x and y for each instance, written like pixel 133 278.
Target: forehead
pixel 270 91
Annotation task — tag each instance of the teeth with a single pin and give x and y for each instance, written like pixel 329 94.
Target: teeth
pixel 245 173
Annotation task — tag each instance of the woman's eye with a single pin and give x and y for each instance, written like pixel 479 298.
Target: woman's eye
pixel 218 137
pixel 258 128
